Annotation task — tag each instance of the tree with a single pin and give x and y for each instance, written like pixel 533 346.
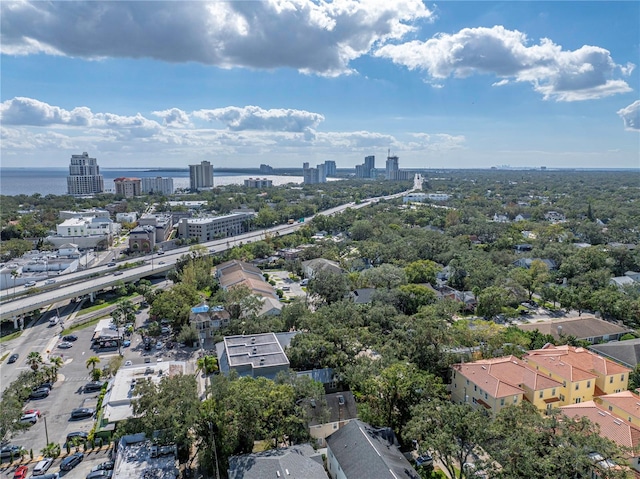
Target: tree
pixel 527 444
pixel 388 398
pixel 330 287
pixel 51 450
pixel 240 302
pixel 188 335
pixel 423 271
pixel 155 406
pixel 34 360
pixel 453 432
pixel 125 312
pixel 532 278
pixel 491 301
pixel 92 362
pixel 384 276
pixel 208 364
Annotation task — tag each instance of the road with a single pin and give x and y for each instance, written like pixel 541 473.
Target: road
pixel 85 282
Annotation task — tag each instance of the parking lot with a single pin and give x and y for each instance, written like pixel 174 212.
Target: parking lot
pixel 290 288
pixel 91 459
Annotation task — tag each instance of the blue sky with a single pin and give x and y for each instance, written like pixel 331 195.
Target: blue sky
pixel 450 84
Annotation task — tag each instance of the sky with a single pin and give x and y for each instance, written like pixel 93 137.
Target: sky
pixel 240 83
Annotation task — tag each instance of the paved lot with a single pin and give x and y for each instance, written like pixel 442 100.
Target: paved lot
pixel 91 459
pixel 282 281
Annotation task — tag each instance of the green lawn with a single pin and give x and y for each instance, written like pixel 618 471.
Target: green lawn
pixel 11 336
pixel 106 304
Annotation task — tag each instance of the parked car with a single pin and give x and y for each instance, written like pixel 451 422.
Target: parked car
pixel 39 393
pixel 93 386
pixel 13 358
pixel 424 460
pixel 128 363
pixel 81 436
pixel 165 330
pixel 82 413
pixel 30 418
pixel 42 466
pixel 21 473
pixel 65 345
pixel 159 345
pixel 304 282
pixel 70 337
pixel 126 343
pixel 71 461
pixel 101 474
pixel 11 450
pixel 32 411
pixel 47 385
pixel 103 466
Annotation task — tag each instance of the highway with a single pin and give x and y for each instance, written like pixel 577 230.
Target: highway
pixel 103 277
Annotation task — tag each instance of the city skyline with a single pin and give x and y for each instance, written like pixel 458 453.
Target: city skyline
pixel 452 84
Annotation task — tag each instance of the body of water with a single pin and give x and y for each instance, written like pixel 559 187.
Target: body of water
pixel 53 181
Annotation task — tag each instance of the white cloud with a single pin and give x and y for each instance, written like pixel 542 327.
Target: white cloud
pixel 256 118
pixel 563 75
pixel 174 117
pixel 32 127
pixel 631 116
pixel 310 36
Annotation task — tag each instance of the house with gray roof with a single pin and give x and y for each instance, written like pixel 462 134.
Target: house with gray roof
pixel 587 328
pixel 358 450
pixel 626 353
pixel 295 462
pixel 312 266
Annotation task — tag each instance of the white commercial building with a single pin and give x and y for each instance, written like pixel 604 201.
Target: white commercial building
pixel 158 185
pixel 208 229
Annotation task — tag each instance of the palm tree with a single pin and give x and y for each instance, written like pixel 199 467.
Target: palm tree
pixel 52 450
pixel 208 364
pixel 125 312
pixel 92 362
pixel 34 360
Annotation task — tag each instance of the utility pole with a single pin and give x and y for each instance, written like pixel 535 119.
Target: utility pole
pixel 46 431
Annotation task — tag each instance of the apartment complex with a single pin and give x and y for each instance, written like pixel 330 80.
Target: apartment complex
pixel 550 377
pixel 208 229
pixel 258 183
pixel 313 176
pixel 128 187
pixel 162 223
pixel 330 168
pixel 157 185
pixel 256 355
pixel 201 176
pixel 84 176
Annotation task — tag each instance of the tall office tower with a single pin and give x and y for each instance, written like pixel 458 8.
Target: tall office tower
pixel 370 164
pixel 158 185
pixel 392 167
pixel 305 165
pixel 128 187
pixel 201 176
pixel 84 176
pixel 330 168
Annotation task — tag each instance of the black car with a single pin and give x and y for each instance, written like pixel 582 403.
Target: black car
pixel 102 474
pixel 13 358
pixel 93 387
pixel 81 436
pixel 48 386
pixel 70 337
pixel 40 393
pixel 82 413
pixel 103 466
pixel 71 461
pixel 11 450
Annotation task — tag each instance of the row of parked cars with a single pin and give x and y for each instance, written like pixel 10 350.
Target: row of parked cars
pixel 101 471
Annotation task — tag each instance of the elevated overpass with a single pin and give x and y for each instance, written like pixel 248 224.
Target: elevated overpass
pixel 96 279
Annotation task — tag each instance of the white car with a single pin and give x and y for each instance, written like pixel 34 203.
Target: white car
pixel 30 418
pixel 159 345
pixel 42 466
pixel 50 281
pixel 128 363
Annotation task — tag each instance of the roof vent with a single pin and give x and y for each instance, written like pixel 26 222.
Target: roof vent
pixel 278 473
pixel 287 471
pixel 601 413
pixel 254 350
pixel 615 421
pixel 261 360
pixel 253 340
pixel 484 367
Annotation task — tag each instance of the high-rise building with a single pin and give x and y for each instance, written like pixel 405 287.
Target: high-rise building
pixel 258 183
pixel 266 169
pixel 330 168
pixel 392 167
pixel 158 185
pixel 128 187
pixel 201 176
pixel 312 176
pixel 366 170
pixel 84 176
